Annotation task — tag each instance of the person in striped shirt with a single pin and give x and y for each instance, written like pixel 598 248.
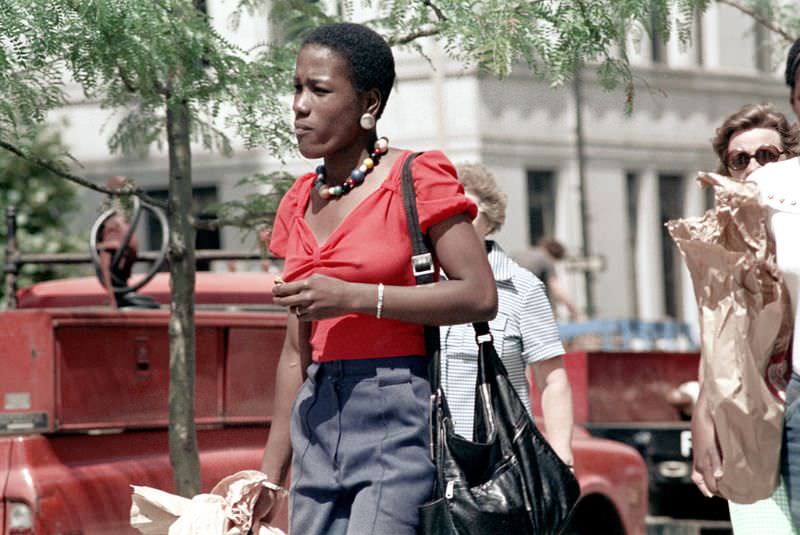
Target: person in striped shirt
pixel 524 330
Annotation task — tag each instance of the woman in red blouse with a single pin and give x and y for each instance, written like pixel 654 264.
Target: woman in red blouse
pixel 355 422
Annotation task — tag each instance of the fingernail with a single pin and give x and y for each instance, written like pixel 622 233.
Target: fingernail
pixel 718 474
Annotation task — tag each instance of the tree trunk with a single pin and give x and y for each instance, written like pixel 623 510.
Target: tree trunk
pixel 182 433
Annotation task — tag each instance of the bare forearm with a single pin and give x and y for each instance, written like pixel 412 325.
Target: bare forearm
pixel 557 413
pixel 288 379
pixel 442 303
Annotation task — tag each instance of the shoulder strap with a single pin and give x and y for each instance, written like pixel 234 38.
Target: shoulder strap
pixel 421 261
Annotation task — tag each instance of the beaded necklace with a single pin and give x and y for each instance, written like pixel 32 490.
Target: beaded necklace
pixel 357 175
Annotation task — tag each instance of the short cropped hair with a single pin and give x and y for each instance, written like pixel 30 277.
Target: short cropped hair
pixel 792 64
pixel 367 54
pixel 479 181
pixel 747 118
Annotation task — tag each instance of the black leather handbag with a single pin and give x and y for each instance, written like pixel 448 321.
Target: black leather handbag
pixel 507 479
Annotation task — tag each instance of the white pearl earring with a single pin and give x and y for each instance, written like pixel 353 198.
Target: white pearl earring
pixel 367 121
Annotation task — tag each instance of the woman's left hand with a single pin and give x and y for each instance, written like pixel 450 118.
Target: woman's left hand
pixel 314 298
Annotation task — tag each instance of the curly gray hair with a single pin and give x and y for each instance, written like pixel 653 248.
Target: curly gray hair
pixel 479 182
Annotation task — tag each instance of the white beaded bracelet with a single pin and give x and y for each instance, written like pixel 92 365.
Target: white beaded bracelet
pixel 379 308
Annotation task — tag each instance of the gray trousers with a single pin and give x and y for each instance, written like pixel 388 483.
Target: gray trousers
pixel 361 462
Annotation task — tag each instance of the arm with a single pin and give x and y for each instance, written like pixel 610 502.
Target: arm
pixel 551 379
pixel 468 295
pixel 294 358
pixel 560 295
pixel 706 456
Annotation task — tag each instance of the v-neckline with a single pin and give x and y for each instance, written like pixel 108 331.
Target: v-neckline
pixel 302 215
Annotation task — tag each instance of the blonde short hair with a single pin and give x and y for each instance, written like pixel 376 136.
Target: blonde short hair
pixel 480 182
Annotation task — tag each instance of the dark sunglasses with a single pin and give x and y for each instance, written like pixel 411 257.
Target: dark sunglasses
pixel 739 159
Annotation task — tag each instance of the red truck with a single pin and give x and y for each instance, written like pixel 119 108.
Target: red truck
pixel 84 415
pixel 630 397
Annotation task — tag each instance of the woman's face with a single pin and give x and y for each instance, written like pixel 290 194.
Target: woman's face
pixel 749 142
pixel 326 106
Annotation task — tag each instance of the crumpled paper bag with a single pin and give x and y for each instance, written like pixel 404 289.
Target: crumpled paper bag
pixel 746 329
pixel 227 510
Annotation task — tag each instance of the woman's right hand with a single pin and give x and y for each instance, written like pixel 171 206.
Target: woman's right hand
pixel 267 506
pixel 707 458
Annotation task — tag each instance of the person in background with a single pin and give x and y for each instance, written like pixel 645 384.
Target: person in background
pixel 541 261
pixel 352 391
pixel 524 330
pixel 754 136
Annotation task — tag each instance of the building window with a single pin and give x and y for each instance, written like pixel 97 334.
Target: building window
pixel 541 204
pixel 697 39
pixel 670 191
pixel 658 47
pixel 202 199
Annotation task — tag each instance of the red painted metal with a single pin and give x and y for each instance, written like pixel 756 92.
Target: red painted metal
pixel 81 483
pixel 245 288
pixel 616 472
pixel 100 376
pixel 612 387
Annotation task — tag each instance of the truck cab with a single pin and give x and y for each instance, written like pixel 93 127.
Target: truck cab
pixel 628 382
pixel 85 396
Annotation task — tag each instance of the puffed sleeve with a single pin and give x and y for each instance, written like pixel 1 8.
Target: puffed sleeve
pixel 439 193
pixel 284 218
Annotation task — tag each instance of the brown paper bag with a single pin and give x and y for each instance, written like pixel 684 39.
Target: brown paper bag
pixel 746 326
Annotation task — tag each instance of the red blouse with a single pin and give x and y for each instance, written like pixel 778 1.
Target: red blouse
pixel 370 245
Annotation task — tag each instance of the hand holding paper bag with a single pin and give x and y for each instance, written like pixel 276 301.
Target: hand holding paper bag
pixel 746 325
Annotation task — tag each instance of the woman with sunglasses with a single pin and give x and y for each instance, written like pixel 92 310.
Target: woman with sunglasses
pixel 751 138
pixel 755 136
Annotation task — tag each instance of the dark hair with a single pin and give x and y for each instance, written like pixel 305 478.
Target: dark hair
pixel 553 247
pixel 792 63
pixel 747 118
pixel 367 53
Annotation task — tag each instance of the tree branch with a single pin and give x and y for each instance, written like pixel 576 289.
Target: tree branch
pixel 50 166
pixel 433 29
pixel 413 36
pixel 760 18
pixel 439 15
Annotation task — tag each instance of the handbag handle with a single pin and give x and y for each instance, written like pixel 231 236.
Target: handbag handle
pixel 423 267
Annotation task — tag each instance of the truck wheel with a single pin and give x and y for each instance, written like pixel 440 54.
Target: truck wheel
pixel 594 514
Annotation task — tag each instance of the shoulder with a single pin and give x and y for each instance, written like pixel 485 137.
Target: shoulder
pixel 434 163
pixel 428 168
pixel 527 281
pixel 524 279
pixel 439 193
pixel 296 195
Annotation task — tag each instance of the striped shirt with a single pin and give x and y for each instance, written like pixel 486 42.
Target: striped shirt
pixel 524 332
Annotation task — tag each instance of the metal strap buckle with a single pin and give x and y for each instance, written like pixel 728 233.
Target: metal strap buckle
pixel 481 338
pixel 422 264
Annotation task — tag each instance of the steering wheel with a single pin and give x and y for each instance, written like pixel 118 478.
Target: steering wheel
pixel 118 285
